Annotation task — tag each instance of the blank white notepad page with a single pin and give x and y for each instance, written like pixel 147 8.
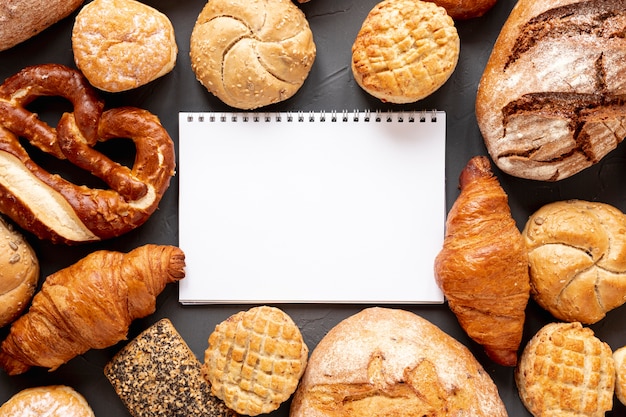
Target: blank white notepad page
pixel 311 207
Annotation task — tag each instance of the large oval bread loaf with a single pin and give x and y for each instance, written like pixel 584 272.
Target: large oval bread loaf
pixel 550 101
pixel 22 19
pixel 391 362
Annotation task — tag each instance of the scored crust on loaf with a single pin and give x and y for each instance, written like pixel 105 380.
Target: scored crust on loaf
pixel 386 362
pixel 157 374
pixel 255 360
pixel 49 401
pixel 252 53
pixel 550 101
pixel 577 259
pixel 123 44
pixel 405 50
pixel 565 370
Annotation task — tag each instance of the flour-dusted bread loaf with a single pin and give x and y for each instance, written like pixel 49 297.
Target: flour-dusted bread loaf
pixel 252 53
pixel 123 44
pixel 49 401
pixel 156 374
pixel 22 19
pixel 19 273
pixel 550 101
pixel 405 50
pixel 565 370
pixel 391 362
pixel 577 259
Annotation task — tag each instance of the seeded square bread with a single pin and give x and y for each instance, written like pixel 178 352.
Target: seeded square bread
pixel 157 374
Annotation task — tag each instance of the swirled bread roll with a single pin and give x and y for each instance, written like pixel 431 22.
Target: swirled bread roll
pixel 252 53
pixel 405 50
pixel 577 258
pixel 123 44
pixel 550 101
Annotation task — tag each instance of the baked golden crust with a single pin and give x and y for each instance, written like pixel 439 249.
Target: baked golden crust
pixel 49 401
pixel 122 44
pixel 20 273
pixel 391 362
pixel 255 360
pixel 565 370
pixel 619 357
pixel 252 53
pixel 549 103
pixel 405 50
pixel 465 9
pixel 577 259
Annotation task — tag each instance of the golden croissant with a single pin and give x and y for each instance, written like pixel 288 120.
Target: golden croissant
pixel 89 305
pixel 482 268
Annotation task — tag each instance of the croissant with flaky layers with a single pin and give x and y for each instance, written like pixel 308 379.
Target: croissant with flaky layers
pixel 89 305
pixel 482 268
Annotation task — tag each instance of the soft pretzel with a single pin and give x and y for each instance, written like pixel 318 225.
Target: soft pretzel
pixel 54 208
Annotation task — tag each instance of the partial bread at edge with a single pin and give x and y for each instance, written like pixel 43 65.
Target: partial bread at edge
pixel 49 401
pixel 22 19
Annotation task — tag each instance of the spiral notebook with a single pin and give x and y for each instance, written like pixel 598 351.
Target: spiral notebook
pixel 345 207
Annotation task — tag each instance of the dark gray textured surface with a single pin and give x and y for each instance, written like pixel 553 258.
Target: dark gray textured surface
pixel 330 86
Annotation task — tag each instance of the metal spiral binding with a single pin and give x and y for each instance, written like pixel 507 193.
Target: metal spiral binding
pixel 377 116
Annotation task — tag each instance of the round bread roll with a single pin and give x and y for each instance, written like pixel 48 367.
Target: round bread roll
pixel 255 360
pixel 19 272
pixel 577 259
pixel 22 19
pixel 49 401
pixel 405 50
pixel 123 44
pixel 619 357
pixel 391 362
pixel 565 370
pixel 252 53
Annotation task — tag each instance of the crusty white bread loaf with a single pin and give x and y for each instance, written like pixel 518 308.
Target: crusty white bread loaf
pixel 565 370
pixel 550 101
pixel 19 273
pixel 465 9
pixel 577 259
pixel 49 401
pixel 123 44
pixel 22 19
pixel 391 362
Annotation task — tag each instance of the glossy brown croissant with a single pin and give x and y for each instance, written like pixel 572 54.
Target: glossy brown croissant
pixel 483 266
pixel 89 305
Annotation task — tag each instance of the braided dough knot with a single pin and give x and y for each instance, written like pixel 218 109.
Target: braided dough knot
pixel 54 208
